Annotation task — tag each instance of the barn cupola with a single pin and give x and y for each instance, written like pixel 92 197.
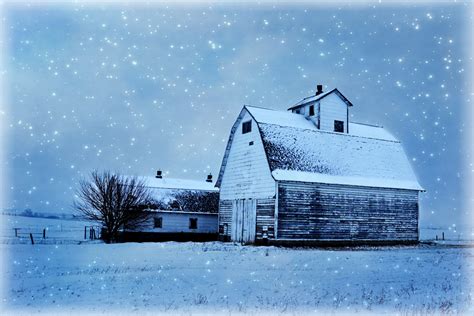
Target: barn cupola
pixel 159 174
pixel 329 111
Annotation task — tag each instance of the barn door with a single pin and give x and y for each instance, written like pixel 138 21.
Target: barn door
pixel 237 214
pixel 250 221
pixel 244 213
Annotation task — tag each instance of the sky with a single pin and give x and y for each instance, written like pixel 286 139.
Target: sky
pixel 136 88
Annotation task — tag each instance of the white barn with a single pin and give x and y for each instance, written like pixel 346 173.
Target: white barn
pixel 311 175
pixel 186 210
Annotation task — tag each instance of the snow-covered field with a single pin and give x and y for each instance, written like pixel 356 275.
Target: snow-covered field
pixel 66 273
pixel 216 277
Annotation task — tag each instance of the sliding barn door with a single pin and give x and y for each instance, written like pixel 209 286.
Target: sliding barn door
pixel 237 216
pixel 244 215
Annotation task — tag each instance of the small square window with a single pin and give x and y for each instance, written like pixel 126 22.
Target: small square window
pixel 158 222
pixel 311 110
pixel 339 126
pixel 193 223
pixel 246 127
pixel 251 143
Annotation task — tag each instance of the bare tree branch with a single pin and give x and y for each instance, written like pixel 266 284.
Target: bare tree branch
pixel 114 201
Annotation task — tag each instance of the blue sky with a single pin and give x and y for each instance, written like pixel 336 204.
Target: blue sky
pixel 134 89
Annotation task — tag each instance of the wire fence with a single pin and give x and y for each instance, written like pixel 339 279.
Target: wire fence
pixel 51 235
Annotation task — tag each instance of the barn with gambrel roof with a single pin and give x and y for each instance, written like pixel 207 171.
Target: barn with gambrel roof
pixel 310 175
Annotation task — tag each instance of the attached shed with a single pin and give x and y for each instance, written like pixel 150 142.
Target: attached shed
pixel 185 210
pixel 310 175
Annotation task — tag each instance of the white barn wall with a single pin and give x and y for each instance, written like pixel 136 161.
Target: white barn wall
pixel 247 174
pixel 176 222
pixel 332 108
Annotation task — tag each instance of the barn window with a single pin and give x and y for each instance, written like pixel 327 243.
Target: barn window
pixel 246 127
pixel 158 222
pixel 339 126
pixel 311 110
pixel 193 223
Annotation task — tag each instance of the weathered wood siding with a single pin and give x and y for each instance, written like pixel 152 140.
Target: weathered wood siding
pixel 243 227
pixel 332 108
pixel 225 217
pixel 247 174
pixel 337 212
pixel 178 222
pixel 265 217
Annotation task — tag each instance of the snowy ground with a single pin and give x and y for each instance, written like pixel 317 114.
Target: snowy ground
pixel 216 277
pixel 67 273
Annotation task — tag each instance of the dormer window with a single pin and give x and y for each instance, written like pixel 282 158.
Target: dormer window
pixel 339 126
pixel 311 110
pixel 246 127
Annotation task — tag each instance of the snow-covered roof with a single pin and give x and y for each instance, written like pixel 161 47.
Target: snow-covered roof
pixel 298 151
pixel 184 184
pixel 296 154
pixel 314 98
pixel 370 131
pixel 182 212
pixel 286 118
pixel 302 176
pixel 282 118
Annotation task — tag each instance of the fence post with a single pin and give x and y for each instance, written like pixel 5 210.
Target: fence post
pixel 16 232
pixel 31 237
pixel 85 232
pixel 443 235
pixel 44 233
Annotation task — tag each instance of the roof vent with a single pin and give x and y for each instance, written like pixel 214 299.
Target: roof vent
pixel 209 178
pixel 319 89
pixel 159 174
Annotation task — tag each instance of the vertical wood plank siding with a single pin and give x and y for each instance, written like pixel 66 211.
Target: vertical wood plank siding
pixel 265 217
pixel 337 212
pixel 225 217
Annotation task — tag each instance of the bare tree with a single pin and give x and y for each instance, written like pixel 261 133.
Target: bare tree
pixel 113 200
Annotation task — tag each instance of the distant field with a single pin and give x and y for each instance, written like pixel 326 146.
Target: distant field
pixel 57 230
pixel 450 233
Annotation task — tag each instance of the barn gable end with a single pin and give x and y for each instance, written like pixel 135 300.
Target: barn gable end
pixel 245 175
